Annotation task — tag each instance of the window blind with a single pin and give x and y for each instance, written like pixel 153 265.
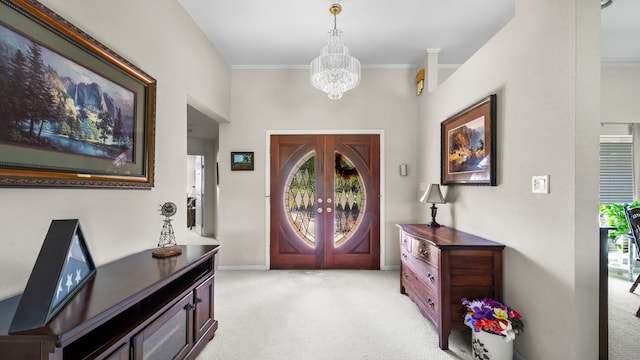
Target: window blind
pixel 616 169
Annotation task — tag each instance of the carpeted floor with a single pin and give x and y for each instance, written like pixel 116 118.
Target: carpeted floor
pixel 331 314
pixel 624 326
pixel 355 315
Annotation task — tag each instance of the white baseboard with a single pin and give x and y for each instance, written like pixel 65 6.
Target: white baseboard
pixel 242 267
pixel 263 267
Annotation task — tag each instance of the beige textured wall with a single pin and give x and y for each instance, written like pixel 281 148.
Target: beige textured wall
pixel 282 100
pixel 544 67
pixel 620 91
pixel 162 40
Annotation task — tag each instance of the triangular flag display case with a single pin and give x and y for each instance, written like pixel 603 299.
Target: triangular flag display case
pixel 63 266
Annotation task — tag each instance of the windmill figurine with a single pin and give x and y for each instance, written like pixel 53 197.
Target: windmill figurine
pixel 167 244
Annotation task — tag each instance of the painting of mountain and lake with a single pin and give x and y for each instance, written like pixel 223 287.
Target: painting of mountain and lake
pixel 73 113
pixel 53 104
pixel 468 148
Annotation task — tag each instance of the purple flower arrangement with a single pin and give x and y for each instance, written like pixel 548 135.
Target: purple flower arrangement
pixel 493 317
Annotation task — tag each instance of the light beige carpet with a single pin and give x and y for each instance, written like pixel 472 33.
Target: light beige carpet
pixel 328 315
pixel 624 326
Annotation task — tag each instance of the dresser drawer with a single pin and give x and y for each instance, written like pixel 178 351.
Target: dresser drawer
pixel 405 241
pixel 425 251
pixel 424 272
pixel 425 298
pixel 430 301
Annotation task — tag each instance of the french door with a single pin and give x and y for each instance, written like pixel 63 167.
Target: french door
pixel 325 201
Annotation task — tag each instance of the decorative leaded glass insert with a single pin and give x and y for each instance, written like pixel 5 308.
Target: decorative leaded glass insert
pixel 349 197
pixel 299 198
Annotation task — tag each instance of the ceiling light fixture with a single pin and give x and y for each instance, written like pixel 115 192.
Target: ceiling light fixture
pixel 335 71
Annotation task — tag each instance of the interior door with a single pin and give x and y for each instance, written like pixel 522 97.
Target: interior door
pixel 199 192
pixel 325 202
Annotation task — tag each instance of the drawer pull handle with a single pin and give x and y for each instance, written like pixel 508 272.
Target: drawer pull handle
pixel 430 277
pixel 424 253
pixel 189 307
pixel 198 300
pixel 404 256
pixel 405 275
pixel 430 302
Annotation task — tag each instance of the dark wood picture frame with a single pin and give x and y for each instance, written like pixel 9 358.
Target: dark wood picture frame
pixel 242 160
pixel 86 117
pixel 468 145
pixel 64 265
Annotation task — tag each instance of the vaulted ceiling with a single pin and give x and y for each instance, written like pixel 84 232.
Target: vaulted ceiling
pixel 290 33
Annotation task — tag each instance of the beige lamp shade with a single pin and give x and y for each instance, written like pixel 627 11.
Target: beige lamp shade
pixel 432 195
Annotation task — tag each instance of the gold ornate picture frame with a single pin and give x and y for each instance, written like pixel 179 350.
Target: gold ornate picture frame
pixel 75 113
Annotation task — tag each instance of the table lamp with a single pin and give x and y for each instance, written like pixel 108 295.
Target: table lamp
pixel 434 196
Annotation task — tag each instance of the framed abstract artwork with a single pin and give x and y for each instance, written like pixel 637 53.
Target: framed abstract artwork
pixel 468 145
pixel 74 113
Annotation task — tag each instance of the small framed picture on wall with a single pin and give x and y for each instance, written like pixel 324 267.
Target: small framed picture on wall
pixel 242 160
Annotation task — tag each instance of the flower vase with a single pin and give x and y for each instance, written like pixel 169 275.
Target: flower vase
pixel 487 346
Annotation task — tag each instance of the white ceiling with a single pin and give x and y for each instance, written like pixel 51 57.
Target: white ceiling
pixel 620 32
pixel 290 33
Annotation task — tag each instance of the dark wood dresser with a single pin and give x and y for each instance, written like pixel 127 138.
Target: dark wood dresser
pixel 134 308
pixel 441 265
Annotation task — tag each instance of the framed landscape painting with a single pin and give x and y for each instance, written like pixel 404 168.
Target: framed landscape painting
pixel 242 160
pixel 468 153
pixel 75 114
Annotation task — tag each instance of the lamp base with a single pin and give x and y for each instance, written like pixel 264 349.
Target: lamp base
pixel 434 212
pixel 433 223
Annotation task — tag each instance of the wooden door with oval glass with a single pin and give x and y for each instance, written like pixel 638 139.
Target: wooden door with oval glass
pixel 325 201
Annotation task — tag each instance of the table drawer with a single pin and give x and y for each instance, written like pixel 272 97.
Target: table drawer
pixel 429 299
pixel 425 251
pixel 424 272
pixel 405 241
pixel 425 298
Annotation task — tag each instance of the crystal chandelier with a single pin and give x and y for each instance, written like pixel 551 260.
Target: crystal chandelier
pixel 335 71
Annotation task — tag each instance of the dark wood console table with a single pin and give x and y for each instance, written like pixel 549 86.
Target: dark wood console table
pixel 440 265
pixel 135 307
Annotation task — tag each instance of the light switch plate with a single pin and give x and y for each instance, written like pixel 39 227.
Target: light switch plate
pixel 540 184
